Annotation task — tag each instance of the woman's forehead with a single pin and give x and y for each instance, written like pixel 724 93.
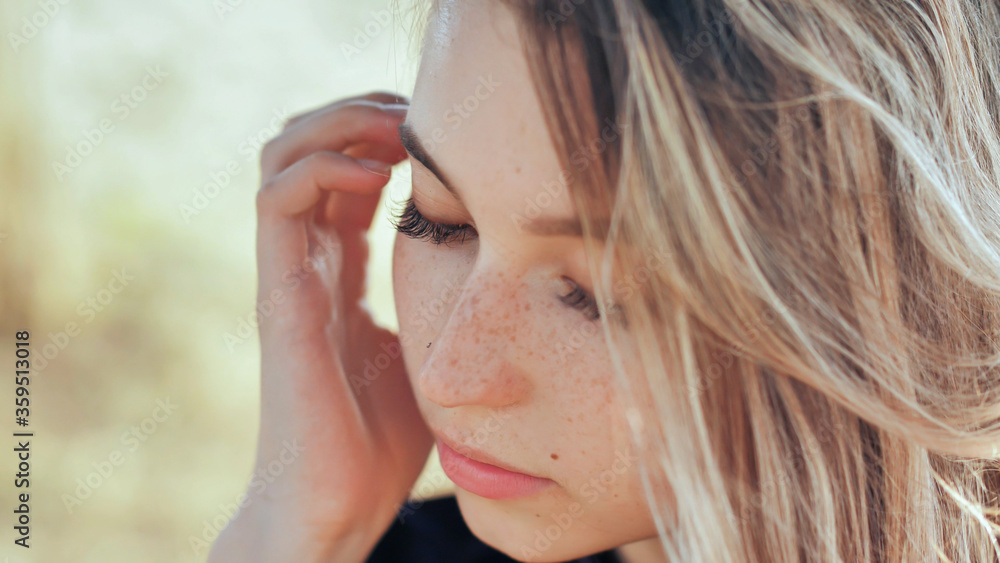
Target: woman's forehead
pixel 476 111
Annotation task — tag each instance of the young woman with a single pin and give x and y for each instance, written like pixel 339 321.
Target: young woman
pixel 715 280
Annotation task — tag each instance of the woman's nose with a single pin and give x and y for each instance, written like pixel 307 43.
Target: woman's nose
pixel 472 361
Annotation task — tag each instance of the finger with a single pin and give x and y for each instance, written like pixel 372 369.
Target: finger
pixel 282 238
pixel 350 232
pixel 379 97
pixel 377 151
pixel 299 187
pixel 332 214
pixel 355 123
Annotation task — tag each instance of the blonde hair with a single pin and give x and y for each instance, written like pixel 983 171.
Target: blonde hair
pixel 818 344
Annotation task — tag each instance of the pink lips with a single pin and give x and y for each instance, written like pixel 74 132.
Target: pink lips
pixel 487 480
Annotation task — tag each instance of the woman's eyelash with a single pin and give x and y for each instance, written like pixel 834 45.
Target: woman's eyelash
pixel 414 225
pixel 580 299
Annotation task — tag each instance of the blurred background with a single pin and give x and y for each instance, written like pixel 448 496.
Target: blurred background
pixel 129 143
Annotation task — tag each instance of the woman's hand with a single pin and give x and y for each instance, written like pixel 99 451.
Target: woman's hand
pixel 333 386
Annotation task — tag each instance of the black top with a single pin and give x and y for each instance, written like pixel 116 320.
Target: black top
pixel 433 531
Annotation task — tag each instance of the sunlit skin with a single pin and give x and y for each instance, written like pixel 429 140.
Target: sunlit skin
pixel 490 357
pixel 498 362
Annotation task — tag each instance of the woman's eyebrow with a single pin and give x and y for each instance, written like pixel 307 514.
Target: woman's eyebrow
pixel 411 142
pixel 540 226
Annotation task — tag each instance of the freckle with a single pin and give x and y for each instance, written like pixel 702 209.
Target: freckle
pixel 554 456
pixel 538 515
pixel 527 306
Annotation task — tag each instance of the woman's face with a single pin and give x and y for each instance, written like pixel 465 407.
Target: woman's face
pixel 496 323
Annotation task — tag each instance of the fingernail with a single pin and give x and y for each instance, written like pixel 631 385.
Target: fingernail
pixel 375 166
pixel 396 109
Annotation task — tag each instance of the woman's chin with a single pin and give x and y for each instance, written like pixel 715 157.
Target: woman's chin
pixel 538 529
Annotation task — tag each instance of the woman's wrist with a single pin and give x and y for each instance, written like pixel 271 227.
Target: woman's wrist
pixel 257 535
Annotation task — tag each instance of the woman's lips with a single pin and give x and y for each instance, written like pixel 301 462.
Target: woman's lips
pixel 487 480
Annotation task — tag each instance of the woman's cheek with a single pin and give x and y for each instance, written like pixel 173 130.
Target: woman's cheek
pixel 407 283
pixel 426 283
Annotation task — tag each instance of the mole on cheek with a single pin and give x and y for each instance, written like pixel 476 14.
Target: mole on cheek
pixel 554 456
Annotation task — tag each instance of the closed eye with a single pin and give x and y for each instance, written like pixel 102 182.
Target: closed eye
pixel 580 299
pixel 413 224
